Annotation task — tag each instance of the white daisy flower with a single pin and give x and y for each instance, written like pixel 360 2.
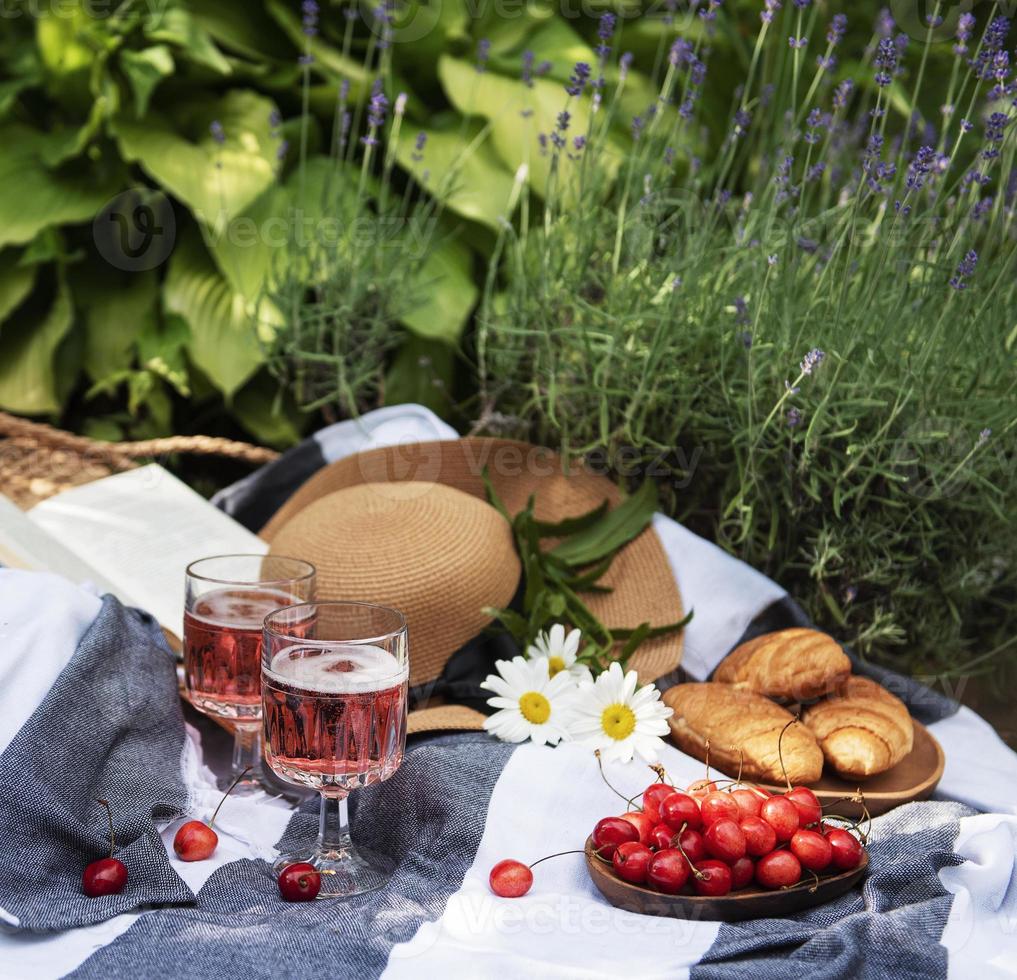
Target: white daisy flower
pixel 611 715
pixel 531 703
pixel 560 650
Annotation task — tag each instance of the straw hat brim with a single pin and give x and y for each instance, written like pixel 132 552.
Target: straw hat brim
pixel 643 588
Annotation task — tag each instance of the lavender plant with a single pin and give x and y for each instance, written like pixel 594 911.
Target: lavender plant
pixel 806 330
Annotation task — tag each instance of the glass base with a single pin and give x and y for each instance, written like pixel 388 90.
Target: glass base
pixel 346 871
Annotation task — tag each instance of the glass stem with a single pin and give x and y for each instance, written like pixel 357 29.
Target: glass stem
pixel 333 825
pixel 247 750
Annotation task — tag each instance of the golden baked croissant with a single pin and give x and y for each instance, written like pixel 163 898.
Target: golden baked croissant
pixel 731 720
pixel 863 729
pixel 792 665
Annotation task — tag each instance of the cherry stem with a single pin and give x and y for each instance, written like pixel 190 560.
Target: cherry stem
pixel 227 793
pixel 547 857
pixel 741 760
pixel 676 840
pixel 661 773
pixel 109 816
pixel 707 760
pixel 780 754
pixel 600 765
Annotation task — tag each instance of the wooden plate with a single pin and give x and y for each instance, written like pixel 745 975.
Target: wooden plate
pixel 746 903
pixel 913 778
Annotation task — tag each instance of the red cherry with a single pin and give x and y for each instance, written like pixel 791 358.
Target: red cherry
pixel 694 845
pixel 807 804
pixel 781 814
pixel 714 878
pixel 812 849
pixel 632 861
pixel 660 837
pixel 643 824
pixel 510 879
pixel 846 851
pixel 742 872
pixel 299 883
pixel 195 841
pixel 655 794
pixel 760 837
pixel 668 871
pixel 108 875
pixel 778 869
pixel 104 877
pixel 717 806
pixel 679 810
pixel 725 840
pixel 700 788
pixel 610 832
pixel 749 801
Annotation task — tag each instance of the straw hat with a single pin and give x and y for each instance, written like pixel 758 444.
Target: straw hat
pixel 409 526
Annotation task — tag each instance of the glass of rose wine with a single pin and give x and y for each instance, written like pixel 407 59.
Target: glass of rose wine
pixel 227 600
pixel 335 720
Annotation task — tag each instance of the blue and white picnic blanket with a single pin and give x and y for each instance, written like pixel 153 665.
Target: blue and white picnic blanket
pixel 88 708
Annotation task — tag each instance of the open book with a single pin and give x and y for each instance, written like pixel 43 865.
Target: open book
pixel 132 534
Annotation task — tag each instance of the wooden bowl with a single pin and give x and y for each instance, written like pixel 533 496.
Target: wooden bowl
pixel 913 778
pixel 746 903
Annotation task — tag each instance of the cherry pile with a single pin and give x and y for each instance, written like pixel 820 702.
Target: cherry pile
pixel 708 840
pixel 711 839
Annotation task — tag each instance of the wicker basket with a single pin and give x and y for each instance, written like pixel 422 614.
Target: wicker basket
pixel 38 461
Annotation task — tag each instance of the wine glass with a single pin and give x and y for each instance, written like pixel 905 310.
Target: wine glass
pixel 335 720
pixel 227 600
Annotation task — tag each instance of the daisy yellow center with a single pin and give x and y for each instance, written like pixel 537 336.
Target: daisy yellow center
pixel 555 665
pixel 535 708
pixel 618 721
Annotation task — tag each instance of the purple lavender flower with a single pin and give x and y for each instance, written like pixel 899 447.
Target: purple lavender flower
pixel 542 140
pixel 994 132
pixel 742 121
pixel 983 436
pixel 965 26
pixel 982 208
pixel 309 23
pixel 709 12
pixel 605 31
pixel 377 111
pixel 794 417
pixel 965 269
pixel 217 131
pixel 544 68
pixel 282 150
pixel 769 9
pixel 483 54
pixel 802 4
pixel 579 143
pixel 815 171
pixel 578 79
pixel 418 147
pixel 812 360
pixel 826 62
pixel 842 93
pixel 983 64
pixel 624 64
pixel 527 69
pixel 797 43
pixel 274 119
pixel 637 127
pixel 837 28
pixel 886 62
pixel 741 311
pixel 920 167
pixel 885 24
pixel 681 53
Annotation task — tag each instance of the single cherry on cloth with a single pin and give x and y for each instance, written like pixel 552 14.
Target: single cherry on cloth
pixel 668 871
pixel 196 840
pixel 107 876
pixel 812 849
pixel 610 832
pixel 846 852
pixel 643 824
pixel 300 883
pixel 714 878
pixel 681 810
pixel 778 869
pixel 807 804
pixel 631 861
pixel 781 814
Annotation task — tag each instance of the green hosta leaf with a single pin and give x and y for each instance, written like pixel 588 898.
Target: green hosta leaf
pixel 241 26
pixel 557 43
pixel 263 408
pixel 620 526
pixel 225 326
pixel 145 70
pixel 32 198
pixel 518 114
pixel 176 26
pixel 446 293
pixel 421 373
pixel 60 35
pixel 117 308
pixel 326 57
pixel 161 345
pixel 16 283
pixel 28 346
pixel 11 89
pixel 463 169
pixel 177 150
pixel 67 142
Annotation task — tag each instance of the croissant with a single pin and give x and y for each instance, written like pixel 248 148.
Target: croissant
pixel 863 729
pixel 791 665
pixel 743 730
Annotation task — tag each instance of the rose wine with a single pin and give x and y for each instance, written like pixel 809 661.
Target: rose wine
pixel 222 649
pixel 335 717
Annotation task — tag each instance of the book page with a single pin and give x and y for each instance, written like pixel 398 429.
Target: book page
pixel 26 546
pixel 140 530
